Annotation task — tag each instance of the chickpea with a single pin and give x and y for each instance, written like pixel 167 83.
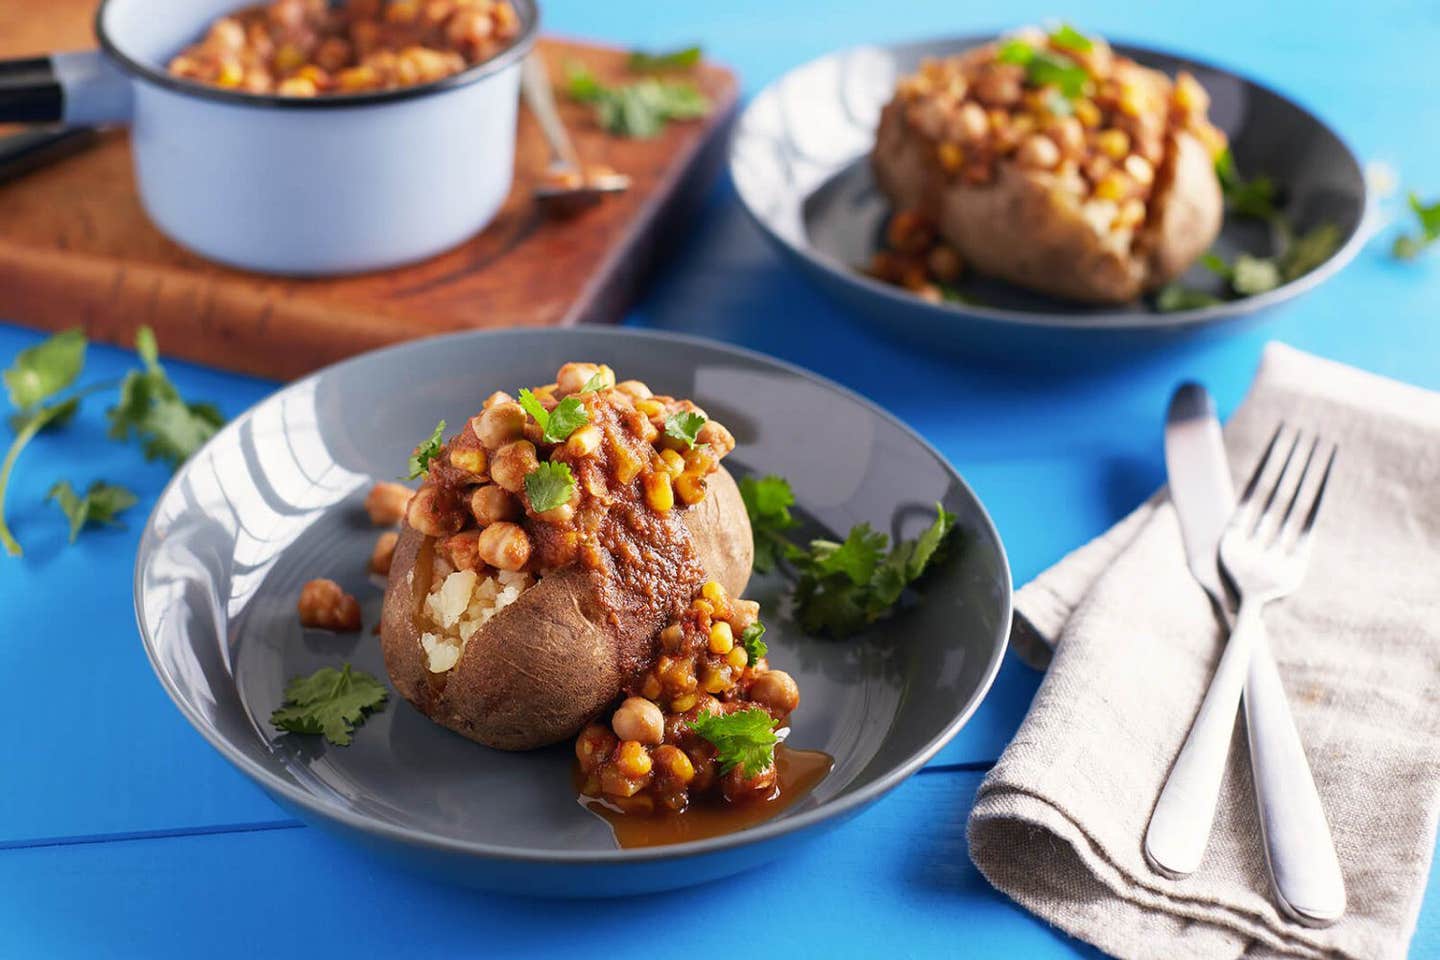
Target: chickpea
pixel 463 549
pixel 736 785
pixel 490 504
pixel 432 512
pixel 469 28
pixel 634 389
pixel 944 263
pixel 1038 152
pixel 970 124
pixel 1000 85
pixel 499 396
pixel 594 744
pixel 720 440
pixel 777 691
pixel 743 613
pixel 559 516
pixel 572 377
pixel 325 605
pixel 505 546
pixel 500 424
pixel 385 503
pixel 466 454
pixel 1140 170
pixel 383 553
pixel 333 54
pixel 640 720
pixel 226 34
pixel 512 463
pixel 1069 135
pixel 584 442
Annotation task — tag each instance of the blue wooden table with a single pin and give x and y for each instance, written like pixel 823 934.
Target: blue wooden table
pixel 123 833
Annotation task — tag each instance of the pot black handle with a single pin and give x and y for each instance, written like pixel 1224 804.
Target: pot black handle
pixel 71 88
pixel 31 149
pixel 30 91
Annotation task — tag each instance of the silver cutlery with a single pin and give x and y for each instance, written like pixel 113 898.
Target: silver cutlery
pixel 1304 869
pixel 571 187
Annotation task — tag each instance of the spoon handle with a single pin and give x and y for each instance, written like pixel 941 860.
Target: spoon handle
pixel 535 85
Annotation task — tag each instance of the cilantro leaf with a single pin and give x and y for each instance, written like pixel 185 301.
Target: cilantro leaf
pixel 428 450
pixel 41 371
pixel 25 431
pixel 768 501
pixel 329 702
pixel 1015 50
pixel 1252 275
pixel 567 417
pixel 534 407
pixel 100 504
pixel 684 426
pixel 549 485
pixel 1216 264
pixel 1055 69
pixel 1067 37
pixel 640 109
pixel 755 648
pixel 151 409
pixel 744 739
pixel 1257 197
pixel 844 587
pixel 596 383
pixel 685 58
pixel 1174 297
pixel 1408 246
pixel 1309 250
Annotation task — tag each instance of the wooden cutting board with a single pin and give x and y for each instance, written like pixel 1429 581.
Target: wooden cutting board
pixel 77 249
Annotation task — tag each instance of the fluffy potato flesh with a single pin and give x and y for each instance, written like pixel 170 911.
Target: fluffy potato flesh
pixel 1096 200
pixel 516 631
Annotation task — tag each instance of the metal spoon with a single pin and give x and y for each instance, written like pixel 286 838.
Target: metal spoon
pixel 572 189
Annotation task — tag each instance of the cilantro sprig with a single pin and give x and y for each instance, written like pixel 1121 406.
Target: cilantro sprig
pixel 101 503
pixel 840 587
pixel 329 702
pixel 640 109
pixel 427 450
pixel 1045 68
pixel 684 58
pixel 1409 246
pixel 755 648
pixel 1066 37
pixel 684 426
pixel 744 739
pixel 150 408
pixel 549 485
pixel 568 416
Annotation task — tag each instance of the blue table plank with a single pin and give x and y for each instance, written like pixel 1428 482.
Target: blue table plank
pixel 1056 456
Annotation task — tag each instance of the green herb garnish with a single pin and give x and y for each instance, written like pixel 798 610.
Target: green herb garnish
pixel 755 648
pixel 428 450
pixel 1408 246
pixel 684 426
pixel 1067 37
pixel 101 503
pixel 1174 296
pixel 568 416
pixel 595 384
pixel 44 370
pixel 640 109
pixel 151 409
pixel 549 485
pixel 1252 275
pixel 1256 197
pixel 1046 68
pixel 685 58
pixel 744 739
pixel 768 501
pixel 329 702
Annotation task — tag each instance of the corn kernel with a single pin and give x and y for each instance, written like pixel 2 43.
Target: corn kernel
pixel 231 73
pixel 691 488
pixel 401 11
pixel 651 408
pixel 951 157
pixel 289 57
pixel 716 680
pixel 722 639
pixel 701 605
pixel 737 658
pixel 674 463
pixel 659 494
pixel 547 391
pixel 714 592
pixel 584 442
pixel 1087 113
pixel 297 87
pixel 1112 186
pixel 357 78
pixel 633 760
pixel 676 763
pixel 683 703
pixel 650 690
pixel 627 464
pixel 471 460
pixel 1113 143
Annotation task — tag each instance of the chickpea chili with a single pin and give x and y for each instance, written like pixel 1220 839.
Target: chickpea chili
pixel 308 48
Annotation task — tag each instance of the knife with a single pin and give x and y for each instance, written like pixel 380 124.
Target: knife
pixel 1299 850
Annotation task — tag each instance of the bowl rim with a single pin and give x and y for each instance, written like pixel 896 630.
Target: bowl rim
pixel 309 803
pixel 528 10
pixel 1099 320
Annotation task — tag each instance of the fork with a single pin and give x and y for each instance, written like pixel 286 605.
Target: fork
pixel 1264 551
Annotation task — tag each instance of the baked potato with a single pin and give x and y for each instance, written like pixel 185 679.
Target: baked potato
pixel 518 606
pixel 1052 163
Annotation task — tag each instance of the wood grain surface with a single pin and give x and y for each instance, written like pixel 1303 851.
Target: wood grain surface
pixel 77 249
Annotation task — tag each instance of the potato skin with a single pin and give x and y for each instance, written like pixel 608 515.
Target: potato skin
pixel 551 660
pixel 1014 228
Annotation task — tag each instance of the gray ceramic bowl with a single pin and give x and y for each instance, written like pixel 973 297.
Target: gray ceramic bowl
pixel 275 499
pixel 800 162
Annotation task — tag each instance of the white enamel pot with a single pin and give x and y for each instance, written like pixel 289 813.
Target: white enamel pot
pixel 293 186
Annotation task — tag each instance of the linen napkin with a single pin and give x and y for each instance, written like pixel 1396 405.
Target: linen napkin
pixel 1058 823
